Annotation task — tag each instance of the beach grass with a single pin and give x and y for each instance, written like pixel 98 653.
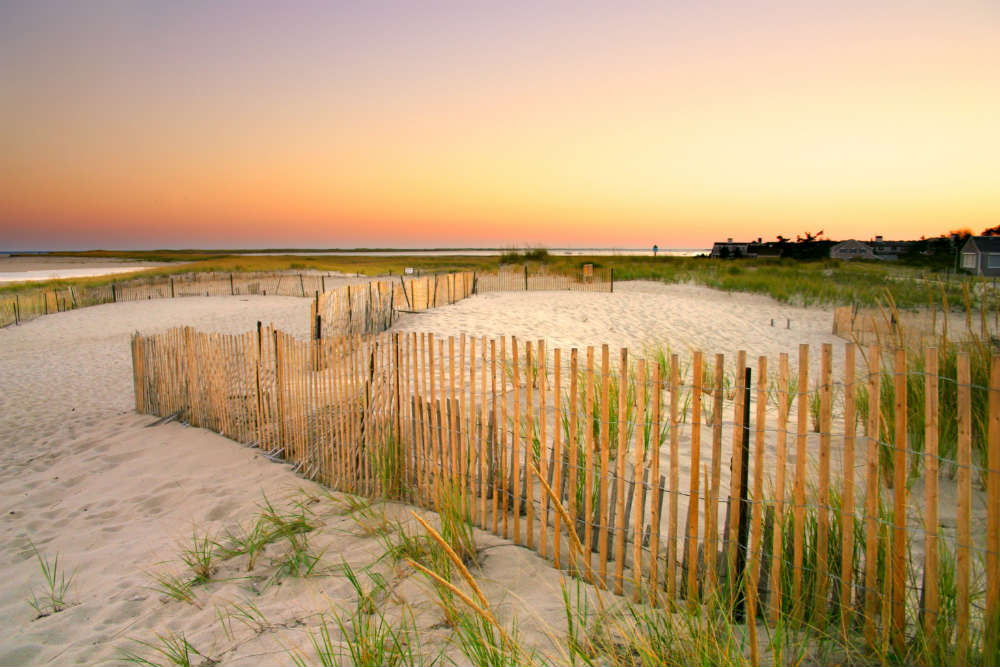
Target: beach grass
pixel 53 597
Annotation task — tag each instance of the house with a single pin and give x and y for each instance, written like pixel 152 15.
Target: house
pixel 750 249
pixel 981 255
pixel 890 250
pixel 852 250
pixel 729 249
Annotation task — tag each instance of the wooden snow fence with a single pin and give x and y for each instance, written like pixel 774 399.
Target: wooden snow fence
pixel 822 500
pixel 30 303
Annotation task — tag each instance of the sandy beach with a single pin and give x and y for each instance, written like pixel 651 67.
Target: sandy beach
pixel 85 477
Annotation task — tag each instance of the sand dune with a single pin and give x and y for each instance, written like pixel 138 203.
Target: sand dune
pixel 84 478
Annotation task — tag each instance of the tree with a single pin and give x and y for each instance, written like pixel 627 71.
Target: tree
pixel 992 231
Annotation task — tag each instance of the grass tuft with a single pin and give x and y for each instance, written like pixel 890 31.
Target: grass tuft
pixel 53 599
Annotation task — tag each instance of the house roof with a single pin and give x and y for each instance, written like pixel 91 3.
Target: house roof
pixel 986 243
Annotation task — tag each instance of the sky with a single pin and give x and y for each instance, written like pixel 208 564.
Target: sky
pixel 431 124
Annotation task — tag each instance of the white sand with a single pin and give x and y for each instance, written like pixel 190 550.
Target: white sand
pixel 640 315
pixel 83 478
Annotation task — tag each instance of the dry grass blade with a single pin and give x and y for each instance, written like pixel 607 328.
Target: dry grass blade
pixel 454 558
pixel 574 540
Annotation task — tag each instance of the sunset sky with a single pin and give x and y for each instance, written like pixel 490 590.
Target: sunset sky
pixel 319 124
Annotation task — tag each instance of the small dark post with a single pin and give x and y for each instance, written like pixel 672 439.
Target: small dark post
pixel 743 530
pixel 474 284
pixel 322 282
pixel 788 323
pixel 171 288
pixel 319 326
pixel 232 290
pixel 348 309
pixel 302 285
pixel 525 277
pixel 611 273
pixel 114 293
pixel 17 309
pixel 317 336
pixel 45 302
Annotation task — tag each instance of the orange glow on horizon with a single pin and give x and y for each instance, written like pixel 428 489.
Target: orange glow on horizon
pixel 735 130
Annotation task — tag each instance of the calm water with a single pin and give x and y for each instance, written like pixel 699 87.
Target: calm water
pixel 632 252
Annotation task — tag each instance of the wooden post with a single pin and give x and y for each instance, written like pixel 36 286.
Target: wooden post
pixel 654 515
pixel 602 500
pixel 641 396
pixel 693 490
pixel 798 530
pixel 17 309
pixel 232 289
pixel 735 471
pixel 673 480
pixel 778 542
pixel 114 293
pixel 573 468
pixel 515 487
pixel 871 495
pixel 847 494
pixel 899 504
pixel 588 453
pixel 930 587
pixel 757 508
pixel 621 456
pixel 993 512
pixel 963 516
pixel 611 273
pixel 529 403
pixel 741 509
pixel 504 471
pixel 302 285
pixel 172 288
pixel 823 490
pixel 557 455
pixel 712 519
pixel 525 277
pixel 542 462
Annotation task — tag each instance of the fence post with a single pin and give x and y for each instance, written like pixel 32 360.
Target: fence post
pixel 525 277
pixel 611 271
pixel 17 309
pixel 474 283
pixel 302 285
pixel 171 288
pixel 743 529
pixel 232 290
pixel 114 293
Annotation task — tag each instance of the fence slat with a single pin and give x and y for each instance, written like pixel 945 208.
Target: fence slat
pixel 823 490
pixel 777 542
pixel 992 628
pixel 605 453
pixel 693 487
pixel 621 455
pixel 871 495
pixel 963 517
pixel 899 503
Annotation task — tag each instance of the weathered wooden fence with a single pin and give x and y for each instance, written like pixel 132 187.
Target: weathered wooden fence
pixel 856 520
pixel 372 308
pixel 33 303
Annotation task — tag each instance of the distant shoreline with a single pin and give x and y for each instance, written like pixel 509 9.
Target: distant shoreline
pixel 675 252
